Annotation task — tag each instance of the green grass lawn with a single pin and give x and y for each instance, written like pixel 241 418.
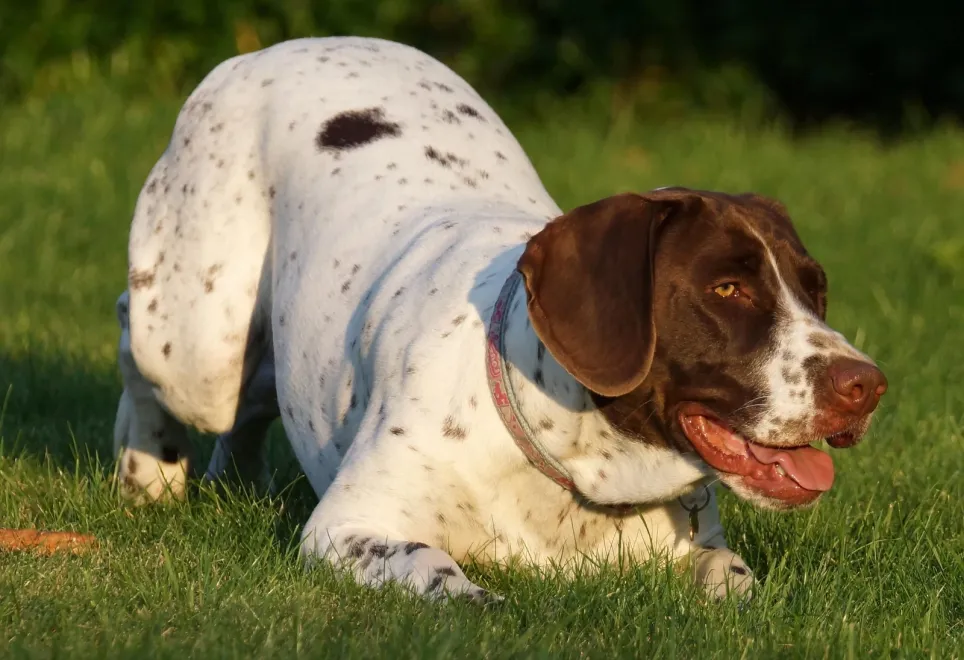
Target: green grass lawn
pixel 876 570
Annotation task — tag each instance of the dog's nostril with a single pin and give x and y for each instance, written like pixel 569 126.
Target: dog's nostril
pixel 857 393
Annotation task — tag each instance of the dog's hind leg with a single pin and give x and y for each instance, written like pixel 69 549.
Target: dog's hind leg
pixel 240 453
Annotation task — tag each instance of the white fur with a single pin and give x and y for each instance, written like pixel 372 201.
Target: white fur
pixel 357 284
pixel 789 400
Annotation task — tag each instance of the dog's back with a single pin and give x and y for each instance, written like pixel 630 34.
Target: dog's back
pixel 324 193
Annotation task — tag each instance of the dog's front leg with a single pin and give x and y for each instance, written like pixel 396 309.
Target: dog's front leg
pixel 719 570
pixel 375 560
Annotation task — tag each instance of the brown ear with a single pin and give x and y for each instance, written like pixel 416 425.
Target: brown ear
pixel 589 284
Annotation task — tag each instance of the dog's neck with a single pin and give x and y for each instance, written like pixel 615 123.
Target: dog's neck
pixel 606 466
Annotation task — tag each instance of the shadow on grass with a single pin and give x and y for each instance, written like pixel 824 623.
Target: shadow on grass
pixel 57 406
pixel 61 410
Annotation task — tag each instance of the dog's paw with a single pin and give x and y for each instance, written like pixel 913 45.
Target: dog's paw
pixel 479 596
pixel 462 590
pixel 722 573
pixel 435 575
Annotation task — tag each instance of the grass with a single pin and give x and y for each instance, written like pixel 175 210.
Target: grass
pixel 876 570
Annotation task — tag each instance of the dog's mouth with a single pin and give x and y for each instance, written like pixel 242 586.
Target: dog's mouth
pixel 793 475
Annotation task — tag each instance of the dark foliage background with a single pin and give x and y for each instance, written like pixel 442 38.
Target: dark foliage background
pixel 888 63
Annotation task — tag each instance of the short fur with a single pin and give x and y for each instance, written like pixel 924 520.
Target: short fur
pixel 324 240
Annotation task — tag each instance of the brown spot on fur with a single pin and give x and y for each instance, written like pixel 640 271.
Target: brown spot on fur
pixel 140 279
pixel 355 128
pixel 818 341
pixel 451 429
pixel 792 377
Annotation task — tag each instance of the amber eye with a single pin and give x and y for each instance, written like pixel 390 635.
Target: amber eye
pixel 726 290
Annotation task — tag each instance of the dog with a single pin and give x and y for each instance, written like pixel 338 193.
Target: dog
pixel 343 234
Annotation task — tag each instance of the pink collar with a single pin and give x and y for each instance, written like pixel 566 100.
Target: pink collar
pixel 504 396
pixel 505 402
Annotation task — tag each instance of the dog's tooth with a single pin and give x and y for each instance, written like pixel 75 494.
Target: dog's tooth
pixel 781 471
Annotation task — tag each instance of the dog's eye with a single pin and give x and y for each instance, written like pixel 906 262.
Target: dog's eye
pixel 727 290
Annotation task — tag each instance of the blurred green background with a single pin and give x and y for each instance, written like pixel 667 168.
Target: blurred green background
pixel 892 64
pixel 604 96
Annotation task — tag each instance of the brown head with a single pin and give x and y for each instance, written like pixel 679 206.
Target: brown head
pixel 697 321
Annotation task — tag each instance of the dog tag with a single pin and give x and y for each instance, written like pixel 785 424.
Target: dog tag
pixel 694 513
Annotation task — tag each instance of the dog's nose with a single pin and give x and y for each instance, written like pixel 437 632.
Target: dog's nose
pixel 857 385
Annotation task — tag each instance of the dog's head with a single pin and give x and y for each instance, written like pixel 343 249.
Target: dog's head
pixel 697 320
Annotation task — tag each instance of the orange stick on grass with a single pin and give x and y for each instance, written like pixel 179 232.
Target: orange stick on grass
pixel 44 542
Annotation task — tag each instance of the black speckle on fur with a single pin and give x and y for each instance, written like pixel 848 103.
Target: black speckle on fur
pixel 357 547
pixel 413 546
pixel 435 584
pixel 446 160
pixel 469 111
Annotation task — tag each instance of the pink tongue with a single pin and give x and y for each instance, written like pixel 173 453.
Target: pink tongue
pixel 810 468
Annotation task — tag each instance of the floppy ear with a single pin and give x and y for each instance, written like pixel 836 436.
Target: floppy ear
pixel 589 285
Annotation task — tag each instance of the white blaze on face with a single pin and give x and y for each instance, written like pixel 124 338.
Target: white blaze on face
pixel 790 399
